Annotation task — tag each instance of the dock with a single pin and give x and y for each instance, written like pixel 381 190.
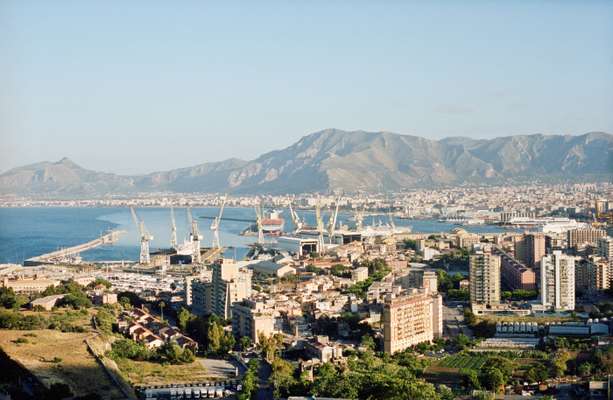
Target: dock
pixel 68 252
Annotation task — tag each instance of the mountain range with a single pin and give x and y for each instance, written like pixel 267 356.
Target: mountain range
pixel 333 159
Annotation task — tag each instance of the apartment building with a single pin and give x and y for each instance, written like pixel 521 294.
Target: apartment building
pixel 557 285
pixel 530 249
pixel 230 283
pixel 605 247
pixel 593 274
pixel 484 279
pixel 584 236
pixel 252 319
pixel 516 275
pixel 410 318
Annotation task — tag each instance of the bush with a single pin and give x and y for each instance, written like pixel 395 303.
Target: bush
pixel 127 348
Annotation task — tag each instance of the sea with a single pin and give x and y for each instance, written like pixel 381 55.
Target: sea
pixel 29 232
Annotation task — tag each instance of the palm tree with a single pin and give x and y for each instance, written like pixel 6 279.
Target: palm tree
pixel 162 305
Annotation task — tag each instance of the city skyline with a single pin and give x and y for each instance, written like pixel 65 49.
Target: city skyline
pixel 236 80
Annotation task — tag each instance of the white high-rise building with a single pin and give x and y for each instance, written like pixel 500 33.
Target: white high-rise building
pixel 558 281
pixel 484 279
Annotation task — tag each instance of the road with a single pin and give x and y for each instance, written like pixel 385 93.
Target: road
pixel 453 321
pixel 264 388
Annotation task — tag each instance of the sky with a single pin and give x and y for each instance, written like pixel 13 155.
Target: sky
pixel 140 86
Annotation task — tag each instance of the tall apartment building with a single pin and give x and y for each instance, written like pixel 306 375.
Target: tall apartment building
pixel 420 278
pixel 484 279
pixel 605 248
pixel 515 275
pixel 530 249
pixel 230 283
pixel 557 284
pixel 252 319
pixel 414 317
pixel 593 274
pixel 582 236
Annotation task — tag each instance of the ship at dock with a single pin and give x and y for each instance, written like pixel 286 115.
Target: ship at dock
pixel 272 224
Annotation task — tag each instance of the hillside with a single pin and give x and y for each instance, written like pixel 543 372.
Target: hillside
pixel 349 161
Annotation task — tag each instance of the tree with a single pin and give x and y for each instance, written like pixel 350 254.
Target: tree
pixel 558 362
pixel 8 299
pixel 183 317
pixel 445 393
pixel 250 381
pixel 105 320
pixel 462 341
pixel 219 341
pixel 162 305
pixel 282 377
pixel 492 378
pixel 585 369
pixel 245 342
pixel 270 345
pixel 471 379
pixel 368 343
pixel 100 281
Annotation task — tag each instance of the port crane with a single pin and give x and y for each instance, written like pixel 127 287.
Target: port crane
pixel 332 221
pixel 258 221
pixel 173 229
pixel 195 237
pixel 320 227
pixel 215 225
pixel 145 238
pixel 298 224
pixel 359 218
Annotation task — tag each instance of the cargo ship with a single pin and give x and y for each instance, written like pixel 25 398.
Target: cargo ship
pixel 272 225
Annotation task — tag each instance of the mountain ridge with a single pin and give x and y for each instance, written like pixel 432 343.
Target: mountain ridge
pixel 333 159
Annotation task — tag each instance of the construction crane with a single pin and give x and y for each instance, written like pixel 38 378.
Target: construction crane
pixel 359 219
pixel 145 238
pixel 332 221
pixel 173 229
pixel 298 224
pixel 392 223
pixel 215 225
pixel 320 227
pixel 258 221
pixel 194 237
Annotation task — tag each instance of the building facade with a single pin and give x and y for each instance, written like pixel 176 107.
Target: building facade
pixel 557 284
pixel 484 279
pixel 230 283
pixel 585 236
pixel 530 249
pixel 252 319
pixel 411 318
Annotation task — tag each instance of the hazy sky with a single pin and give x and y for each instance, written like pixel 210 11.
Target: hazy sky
pixel 132 87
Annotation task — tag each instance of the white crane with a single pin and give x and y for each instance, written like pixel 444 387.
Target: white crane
pixel 258 222
pixel 332 221
pixel 145 238
pixel 195 237
pixel 359 219
pixel 215 225
pixel 392 223
pixel 320 227
pixel 173 229
pixel 298 224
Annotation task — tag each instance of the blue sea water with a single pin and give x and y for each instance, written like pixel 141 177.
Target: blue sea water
pixel 29 232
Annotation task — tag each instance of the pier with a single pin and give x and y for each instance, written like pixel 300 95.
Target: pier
pixel 228 219
pixel 62 255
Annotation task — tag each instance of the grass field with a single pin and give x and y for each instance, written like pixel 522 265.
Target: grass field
pixel 150 373
pixel 463 361
pixel 54 356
